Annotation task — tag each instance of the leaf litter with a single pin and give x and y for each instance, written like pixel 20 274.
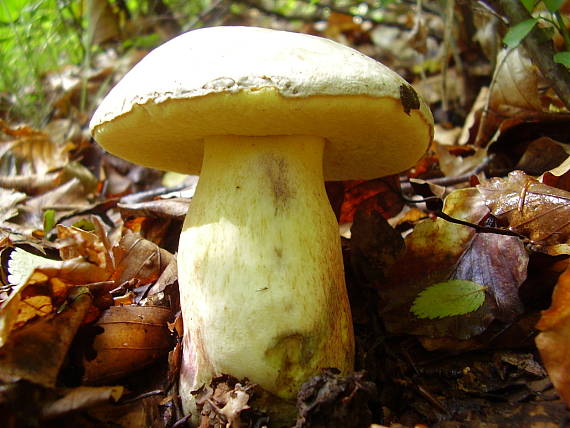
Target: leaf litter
pixel 81 294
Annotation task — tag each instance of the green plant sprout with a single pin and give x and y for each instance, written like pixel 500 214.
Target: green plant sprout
pixel 555 21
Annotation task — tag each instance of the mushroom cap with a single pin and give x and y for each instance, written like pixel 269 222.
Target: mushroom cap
pixel 259 82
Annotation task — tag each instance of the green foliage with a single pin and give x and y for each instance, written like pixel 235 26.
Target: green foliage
pixel 553 24
pixel 445 299
pixel 529 5
pixel 553 5
pixel 36 37
pixel 516 34
pixel 49 221
pixel 562 58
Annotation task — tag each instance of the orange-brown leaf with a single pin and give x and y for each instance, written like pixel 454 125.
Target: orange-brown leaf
pixel 531 208
pixel 554 340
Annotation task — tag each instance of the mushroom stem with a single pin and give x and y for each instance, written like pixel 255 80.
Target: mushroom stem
pixel 260 268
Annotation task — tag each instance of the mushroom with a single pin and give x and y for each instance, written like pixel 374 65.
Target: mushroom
pixel 264 117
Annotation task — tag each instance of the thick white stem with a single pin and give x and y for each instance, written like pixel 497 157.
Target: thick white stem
pixel 260 268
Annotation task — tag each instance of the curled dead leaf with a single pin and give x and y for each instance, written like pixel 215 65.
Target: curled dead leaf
pixel 554 340
pixel 530 208
pixel 131 338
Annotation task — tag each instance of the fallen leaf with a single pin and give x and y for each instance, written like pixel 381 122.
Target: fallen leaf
pixel 139 259
pixel 553 341
pixel 381 195
pixel 516 82
pixel 37 351
pixel 222 402
pixel 530 208
pixel 445 299
pixel 82 397
pixel 131 337
pixel 438 251
pixel 331 400
pixel 374 246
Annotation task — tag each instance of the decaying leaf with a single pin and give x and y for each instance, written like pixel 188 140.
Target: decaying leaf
pixel 500 264
pixel 222 402
pixel 331 400
pixel 438 251
pixel 30 151
pixel 530 208
pixel 82 397
pixel 381 195
pixel 37 351
pixel 374 246
pixel 516 82
pixel 9 200
pixel 139 259
pixel 554 340
pixel 130 338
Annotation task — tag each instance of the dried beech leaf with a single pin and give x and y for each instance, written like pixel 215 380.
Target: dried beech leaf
pixel 139 259
pixel 381 195
pixel 94 247
pixel 516 82
pixel 331 400
pixel 554 340
pixel 437 251
pixel 532 209
pixel 82 397
pixel 37 351
pixel 9 200
pixel 222 402
pixel 500 264
pixel 131 338
pixel 32 151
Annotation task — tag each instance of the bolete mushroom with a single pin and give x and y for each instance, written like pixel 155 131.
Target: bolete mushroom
pixel 264 117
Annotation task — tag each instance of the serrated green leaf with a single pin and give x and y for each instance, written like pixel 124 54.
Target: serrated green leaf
pixel 517 33
pixel 446 299
pixel 562 58
pixel 553 5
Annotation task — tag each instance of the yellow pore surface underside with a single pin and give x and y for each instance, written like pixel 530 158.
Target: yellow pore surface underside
pixel 366 137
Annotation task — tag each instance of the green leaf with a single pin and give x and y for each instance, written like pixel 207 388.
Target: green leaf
pixel 562 58
pixel 446 299
pixel 517 33
pixel 49 220
pixel 85 225
pixel 553 5
pixel 529 5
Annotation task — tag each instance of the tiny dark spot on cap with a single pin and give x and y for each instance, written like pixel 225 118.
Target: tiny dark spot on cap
pixel 409 98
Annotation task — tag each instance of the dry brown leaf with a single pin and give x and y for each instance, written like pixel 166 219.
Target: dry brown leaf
pixel 554 340
pixel 139 260
pixel 32 151
pixel 103 21
pixel 131 338
pixel 94 247
pixel 37 351
pixel 432 251
pixel 516 82
pixel 9 201
pixel 532 209
pixel 221 402
pixel 82 397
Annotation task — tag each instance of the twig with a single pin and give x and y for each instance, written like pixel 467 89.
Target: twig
pixel 447 35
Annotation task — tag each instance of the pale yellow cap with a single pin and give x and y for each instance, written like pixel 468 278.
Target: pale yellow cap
pixel 260 82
